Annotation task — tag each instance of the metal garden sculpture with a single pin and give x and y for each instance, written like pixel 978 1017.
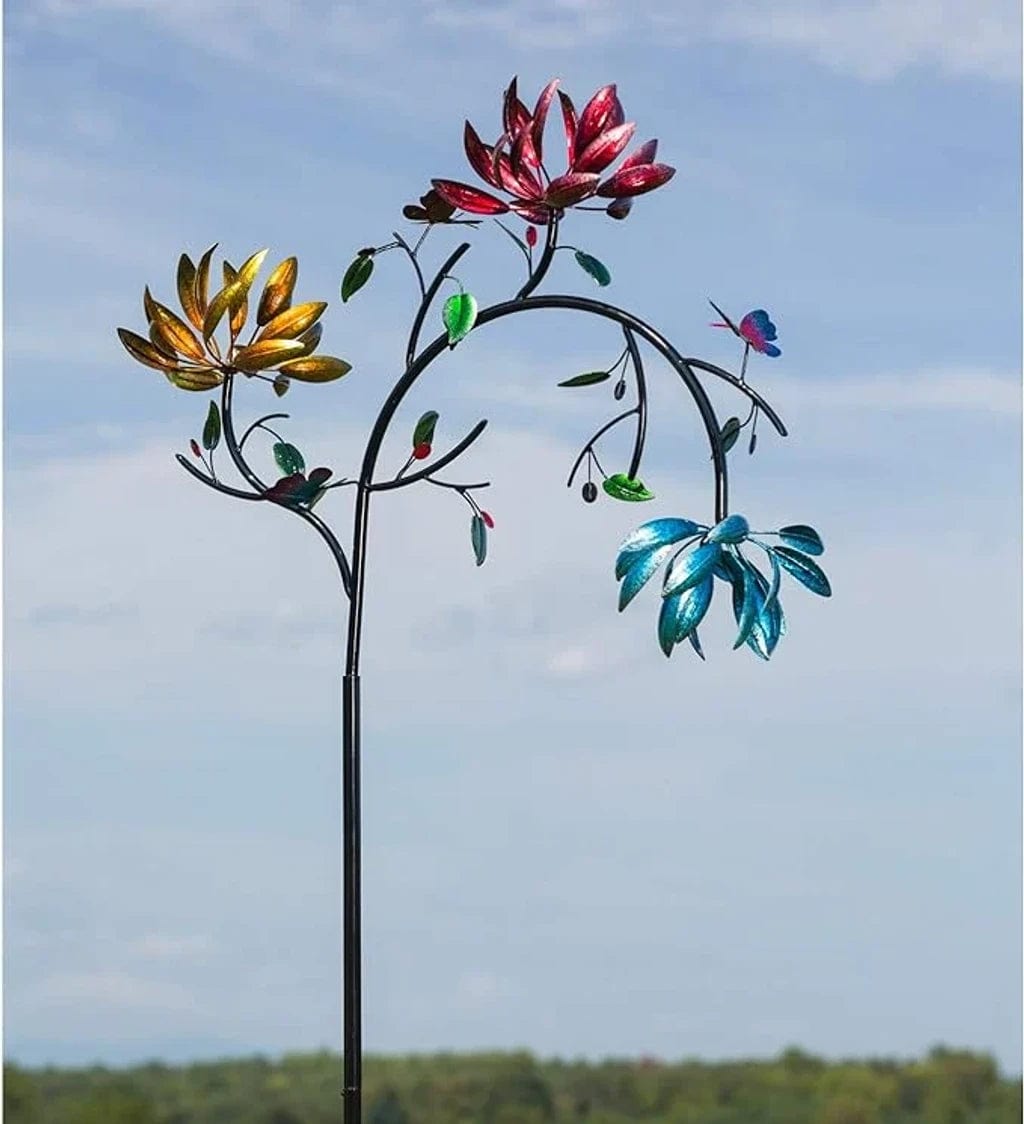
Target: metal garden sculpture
pixel 282 346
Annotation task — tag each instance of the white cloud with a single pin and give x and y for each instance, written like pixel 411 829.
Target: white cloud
pixel 476 990
pixel 879 39
pixel 114 989
pixel 164 946
pixel 873 40
pixel 975 391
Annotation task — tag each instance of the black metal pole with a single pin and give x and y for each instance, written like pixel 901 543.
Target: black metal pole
pixel 352 944
pixel 352 1029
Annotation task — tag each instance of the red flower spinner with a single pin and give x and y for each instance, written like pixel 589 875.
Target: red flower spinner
pixel 594 141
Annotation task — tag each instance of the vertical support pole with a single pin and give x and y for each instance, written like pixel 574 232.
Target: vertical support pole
pixel 352 1029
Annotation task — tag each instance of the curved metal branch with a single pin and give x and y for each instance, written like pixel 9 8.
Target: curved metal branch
pixel 570 303
pixel 255 482
pixel 256 425
pixel 428 297
pixel 412 257
pixel 544 264
pixel 743 388
pixel 590 444
pixel 457 487
pixel 453 453
pixel 641 405
pixel 216 485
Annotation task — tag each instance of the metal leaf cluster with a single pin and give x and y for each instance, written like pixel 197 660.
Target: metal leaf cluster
pixel 700 555
pixel 187 351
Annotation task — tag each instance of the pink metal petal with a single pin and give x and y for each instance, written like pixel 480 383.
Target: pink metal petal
pixel 507 101
pixel 540 115
pixel 480 156
pixel 605 149
pixel 570 189
pixel 469 198
pixel 525 185
pixel 636 181
pixel 643 155
pixel 602 112
pixel 524 156
pixel 514 114
pixel 571 127
pixel 619 208
pixel 537 215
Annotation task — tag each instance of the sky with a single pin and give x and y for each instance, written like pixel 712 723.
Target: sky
pixel 571 844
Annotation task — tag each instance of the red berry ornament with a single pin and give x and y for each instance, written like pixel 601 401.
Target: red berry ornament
pixel 421 451
pixel 196 451
pixel 485 516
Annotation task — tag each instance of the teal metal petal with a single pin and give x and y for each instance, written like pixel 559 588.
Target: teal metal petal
pixel 692 607
pixel 651 535
pixel 769 626
pixel 732 529
pixel 727 569
pixel 757 641
pixel 690 568
pixel 802 537
pixel 772 620
pixel 747 606
pixel 773 590
pixel 695 643
pixel 667 623
pixel 806 571
pixel 640 571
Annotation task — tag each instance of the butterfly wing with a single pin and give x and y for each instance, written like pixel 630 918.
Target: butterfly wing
pixel 757 329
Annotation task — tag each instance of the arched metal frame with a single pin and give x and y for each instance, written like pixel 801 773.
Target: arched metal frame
pixel 352 571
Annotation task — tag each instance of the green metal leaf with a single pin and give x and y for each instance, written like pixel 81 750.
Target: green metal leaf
pixel 596 269
pixel 423 434
pixel 211 430
pixel 620 487
pixel 459 316
pixel 478 531
pixel 588 379
pixel 356 276
pixel 730 434
pixel 289 459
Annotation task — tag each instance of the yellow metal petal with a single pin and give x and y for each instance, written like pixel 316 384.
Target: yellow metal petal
pixel 237 302
pixel 266 353
pixel 187 290
pixel 311 338
pixel 161 344
pixel 177 334
pixel 218 306
pixel 143 351
pixel 203 281
pixel 293 321
pixel 317 368
pixel 277 293
pixel 148 305
pixel 197 378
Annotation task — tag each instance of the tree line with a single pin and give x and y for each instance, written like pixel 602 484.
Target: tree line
pixel 946 1087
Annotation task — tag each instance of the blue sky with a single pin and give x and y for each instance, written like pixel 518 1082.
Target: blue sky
pixel 571 844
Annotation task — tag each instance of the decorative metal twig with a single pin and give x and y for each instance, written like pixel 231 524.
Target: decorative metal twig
pixel 285 336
